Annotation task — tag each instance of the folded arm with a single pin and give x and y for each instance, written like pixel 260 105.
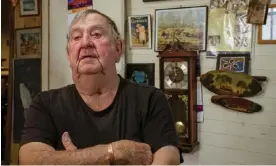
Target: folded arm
pixel 37 153
pixel 160 132
pixel 167 155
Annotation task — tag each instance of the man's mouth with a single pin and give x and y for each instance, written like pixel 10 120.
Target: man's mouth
pixel 88 56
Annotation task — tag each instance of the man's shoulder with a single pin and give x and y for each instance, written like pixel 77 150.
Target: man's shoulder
pixel 141 89
pixel 56 94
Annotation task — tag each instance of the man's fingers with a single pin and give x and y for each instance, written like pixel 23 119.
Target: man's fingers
pixel 67 143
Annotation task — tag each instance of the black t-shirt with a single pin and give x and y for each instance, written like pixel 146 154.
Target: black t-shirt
pixel 139 113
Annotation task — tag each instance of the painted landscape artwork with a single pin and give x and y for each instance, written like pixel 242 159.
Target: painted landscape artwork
pixel 185 26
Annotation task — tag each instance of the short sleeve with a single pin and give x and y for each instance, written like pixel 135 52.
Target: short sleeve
pixel 38 125
pixel 159 129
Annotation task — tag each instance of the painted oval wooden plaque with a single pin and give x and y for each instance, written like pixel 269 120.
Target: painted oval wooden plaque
pixel 236 103
pixel 230 83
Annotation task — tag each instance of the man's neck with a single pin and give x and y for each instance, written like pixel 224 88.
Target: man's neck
pixel 97 85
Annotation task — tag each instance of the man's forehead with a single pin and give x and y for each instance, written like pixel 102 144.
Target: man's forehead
pixel 91 19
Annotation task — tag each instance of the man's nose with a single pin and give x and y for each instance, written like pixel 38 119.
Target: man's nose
pixel 86 41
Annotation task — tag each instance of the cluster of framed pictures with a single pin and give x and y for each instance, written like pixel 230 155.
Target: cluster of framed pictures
pixel 185 25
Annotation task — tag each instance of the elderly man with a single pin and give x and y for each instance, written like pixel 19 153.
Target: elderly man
pixel 101 118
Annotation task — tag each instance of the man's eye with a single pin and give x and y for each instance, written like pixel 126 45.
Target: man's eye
pixel 77 37
pixel 96 35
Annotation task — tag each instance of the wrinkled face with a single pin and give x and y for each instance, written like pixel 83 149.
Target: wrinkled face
pixel 92 47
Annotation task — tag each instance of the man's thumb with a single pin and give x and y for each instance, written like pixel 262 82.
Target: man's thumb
pixel 67 143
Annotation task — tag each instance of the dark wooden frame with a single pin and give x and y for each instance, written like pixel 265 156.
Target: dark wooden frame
pixel 206 27
pixel 260 28
pixel 28 15
pixel 148 67
pixel 8 141
pixel 246 56
pixel 186 145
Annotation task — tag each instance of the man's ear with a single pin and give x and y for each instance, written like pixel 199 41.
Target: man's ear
pixel 120 47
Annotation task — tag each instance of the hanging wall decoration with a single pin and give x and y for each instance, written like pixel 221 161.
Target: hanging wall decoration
pixel 230 83
pixel 233 62
pixel 28 7
pixel 26 84
pixel 236 103
pixel 227 28
pixel 28 43
pixel 142 73
pixel 257 11
pixel 139 31
pixel 186 26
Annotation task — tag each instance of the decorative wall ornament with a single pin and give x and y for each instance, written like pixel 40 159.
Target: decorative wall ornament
pixel 236 103
pixel 230 83
pixel 141 73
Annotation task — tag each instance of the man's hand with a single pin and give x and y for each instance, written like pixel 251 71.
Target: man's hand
pixel 133 153
pixel 124 151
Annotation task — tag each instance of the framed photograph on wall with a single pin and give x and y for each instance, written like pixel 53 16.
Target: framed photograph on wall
pixel 257 11
pixel 139 31
pixel 267 32
pixel 186 26
pixel 29 7
pixel 28 43
pixel 233 62
pixel 141 73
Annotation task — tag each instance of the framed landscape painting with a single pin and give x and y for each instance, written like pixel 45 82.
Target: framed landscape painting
pixel 28 43
pixel 186 26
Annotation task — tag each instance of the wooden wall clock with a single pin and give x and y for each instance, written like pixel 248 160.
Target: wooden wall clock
pixel 178 81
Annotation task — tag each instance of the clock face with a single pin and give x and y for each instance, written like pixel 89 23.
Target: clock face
pixel 176 75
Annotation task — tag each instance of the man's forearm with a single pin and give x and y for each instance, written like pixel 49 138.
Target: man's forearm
pixel 167 155
pixel 93 155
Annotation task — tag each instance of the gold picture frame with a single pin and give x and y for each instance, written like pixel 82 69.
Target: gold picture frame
pixel 266 32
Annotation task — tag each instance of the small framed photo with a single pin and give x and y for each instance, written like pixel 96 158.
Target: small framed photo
pixel 233 62
pixel 141 73
pixel 28 43
pixel 29 7
pixel 257 11
pixel 140 31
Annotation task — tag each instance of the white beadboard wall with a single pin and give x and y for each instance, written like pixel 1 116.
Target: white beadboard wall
pixel 225 137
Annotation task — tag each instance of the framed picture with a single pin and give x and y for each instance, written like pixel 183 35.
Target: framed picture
pixel 26 84
pixel 141 73
pixel 267 32
pixel 186 26
pixel 233 62
pixel 28 7
pixel 28 43
pixel 257 11
pixel 140 31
